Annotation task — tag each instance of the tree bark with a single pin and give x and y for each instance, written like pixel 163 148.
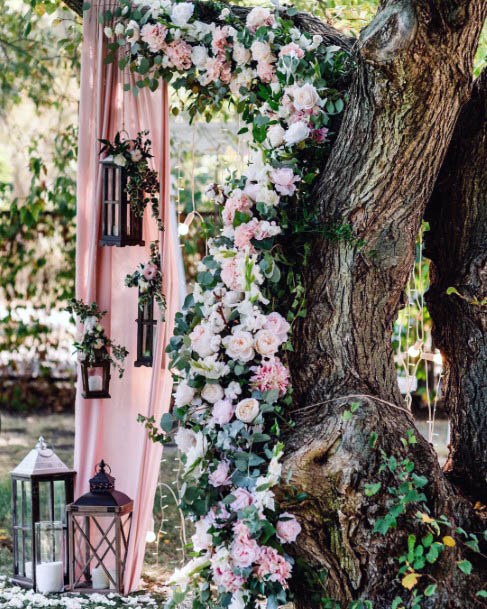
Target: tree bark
pixel 457 247
pixel 414 74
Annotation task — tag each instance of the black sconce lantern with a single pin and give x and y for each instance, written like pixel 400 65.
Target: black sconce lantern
pixel 99 525
pixel 146 326
pixel 120 225
pixel 95 376
pixel 42 486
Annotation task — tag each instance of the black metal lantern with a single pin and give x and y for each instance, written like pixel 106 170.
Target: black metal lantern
pixel 120 225
pixel 95 376
pixel 99 529
pixel 146 330
pixel 42 486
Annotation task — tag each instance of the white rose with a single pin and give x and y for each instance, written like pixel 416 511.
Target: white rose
pixel 261 51
pixel 266 343
pixel 239 346
pixel 108 32
pixel 185 439
pixel 134 27
pixel 241 55
pixel 182 13
pixel 247 410
pixel 275 136
pixel 183 395
pixel 212 392
pixel 120 160
pixel 305 97
pixel 296 133
pixel 199 56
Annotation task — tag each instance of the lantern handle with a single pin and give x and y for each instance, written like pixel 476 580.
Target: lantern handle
pixel 42 447
pixel 126 133
pixel 102 465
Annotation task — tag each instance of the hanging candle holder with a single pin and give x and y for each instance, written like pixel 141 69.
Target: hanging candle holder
pixel 128 186
pixel 96 351
pixel 148 279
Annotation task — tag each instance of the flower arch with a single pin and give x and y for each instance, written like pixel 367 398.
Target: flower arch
pixel 230 342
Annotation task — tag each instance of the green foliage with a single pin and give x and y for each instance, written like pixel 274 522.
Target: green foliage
pixel 37 241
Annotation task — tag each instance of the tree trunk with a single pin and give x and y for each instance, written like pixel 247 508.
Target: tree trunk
pixel 457 246
pixel 414 74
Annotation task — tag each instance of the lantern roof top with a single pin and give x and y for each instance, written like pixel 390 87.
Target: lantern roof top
pixel 41 461
pixel 102 492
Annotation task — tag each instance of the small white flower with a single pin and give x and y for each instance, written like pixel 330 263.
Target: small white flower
pixel 120 160
pixel 119 29
pixel 224 14
pixel 182 13
pixel 108 32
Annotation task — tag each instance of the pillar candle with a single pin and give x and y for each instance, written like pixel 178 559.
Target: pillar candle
pixel 50 577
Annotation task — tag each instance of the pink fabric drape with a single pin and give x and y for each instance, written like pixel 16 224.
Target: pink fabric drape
pixel 108 429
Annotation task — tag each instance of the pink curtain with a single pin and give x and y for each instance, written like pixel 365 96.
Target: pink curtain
pixel 108 429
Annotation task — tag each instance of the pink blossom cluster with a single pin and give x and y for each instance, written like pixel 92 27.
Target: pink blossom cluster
pixel 271 374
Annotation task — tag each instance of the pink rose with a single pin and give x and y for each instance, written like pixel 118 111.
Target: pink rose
pixel 231 275
pixel 179 54
pixel 223 412
pixel 221 475
pixel 276 323
pixel 284 180
pixel 288 528
pixel 266 343
pixel 293 50
pixel 270 375
pixel 272 565
pixel 154 36
pixel 242 499
pixel 150 271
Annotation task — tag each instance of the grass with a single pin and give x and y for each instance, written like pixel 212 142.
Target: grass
pixel 19 434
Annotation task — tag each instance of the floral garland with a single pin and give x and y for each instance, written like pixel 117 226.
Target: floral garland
pixel 230 342
pixel 94 344
pixel 148 278
pixel 142 182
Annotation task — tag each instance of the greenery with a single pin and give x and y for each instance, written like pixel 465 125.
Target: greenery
pixel 148 278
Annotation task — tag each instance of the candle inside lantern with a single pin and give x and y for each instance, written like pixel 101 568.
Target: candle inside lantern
pixel 95 383
pixel 50 577
pixel 99 579
pixel 28 569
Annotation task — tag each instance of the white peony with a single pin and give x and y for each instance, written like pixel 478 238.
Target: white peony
pixel 199 56
pixel 241 54
pixel 212 392
pixel 247 410
pixel 275 136
pixel 239 346
pixel 183 395
pixel 182 13
pixel 305 97
pixel 261 51
pixel 258 17
pixel 296 133
pixel 202 540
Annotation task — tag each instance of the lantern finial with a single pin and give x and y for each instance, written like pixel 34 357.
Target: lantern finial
pixel 41 444
pixel 102 481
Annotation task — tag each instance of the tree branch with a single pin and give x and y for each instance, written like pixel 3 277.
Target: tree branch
pixel 457 247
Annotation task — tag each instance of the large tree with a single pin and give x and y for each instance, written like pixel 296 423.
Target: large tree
pixel 413 75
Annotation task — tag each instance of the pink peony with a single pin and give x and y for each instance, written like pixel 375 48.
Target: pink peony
pixel 244 233
pixel 272 565
pixel 220 41
pixel 270 375
pixel 284 180
pixel 154 35
pixel 216 69
pixel 244 550
pixel 288 528
pixel 179 54
pixel 276 323
pixel 223 412
pixel 242 499
pixel 293 50
pixel 265 71
pixel 227 579
pixel 259 17
pixel 150 271
pixel 238 202
pixel 230 274
pixel 221 475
